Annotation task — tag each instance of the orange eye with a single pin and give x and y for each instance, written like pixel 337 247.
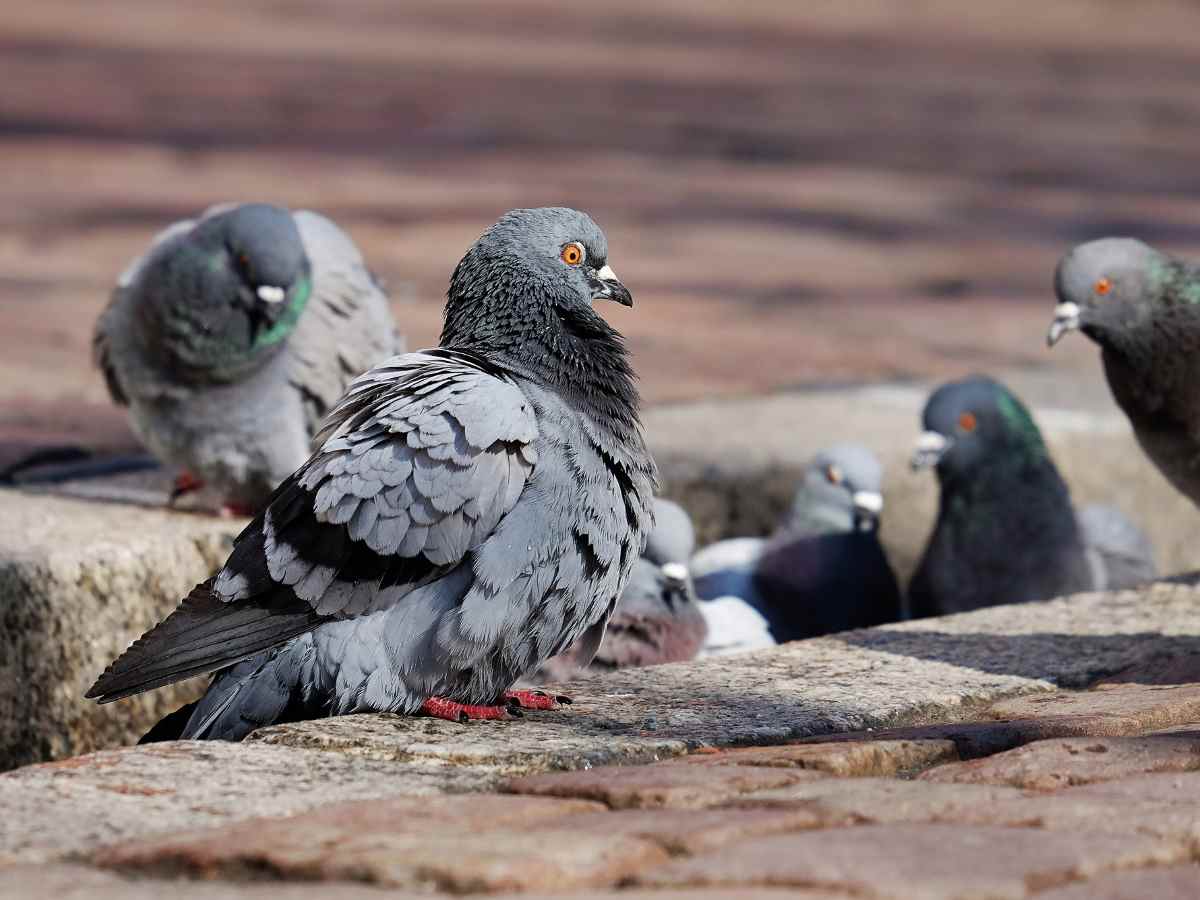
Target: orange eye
pixel 967 422
pixel 1102 287
pixel 833 475
pixel 572 254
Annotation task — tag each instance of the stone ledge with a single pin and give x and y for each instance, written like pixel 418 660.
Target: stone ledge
pixel 78 582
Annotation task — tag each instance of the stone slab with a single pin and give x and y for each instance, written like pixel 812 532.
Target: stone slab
pixel 920 862
pixel 662 785
pixel 66 881
pixel 838 758
pixel 79 582
pixel 1117 709
pixel 484 843
pixel 1054 764
pixel 1165 883
pixel 113 796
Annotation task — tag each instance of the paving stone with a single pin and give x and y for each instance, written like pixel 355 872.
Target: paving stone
pixel 1172 787
pixel 77 882
pixel 1174 670
pixel 842 759
pixel 693 831
pixel 1115 710
pixel 79 582
pixel 116 795
pixel 539 741
pixel 1165 883
pixel 460 844
pixel 971 740
pixel 878 801
pixel 661 785
pixel 920 862
pixel 1054 764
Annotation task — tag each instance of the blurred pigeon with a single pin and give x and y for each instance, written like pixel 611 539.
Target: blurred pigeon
pixel 233 335
pixel 674 538
pixel 1143 308
pixel 657 620
pixel 824 570
pixel 723 574
pixel 1005 532
pixel 1119 553
pixel 470 511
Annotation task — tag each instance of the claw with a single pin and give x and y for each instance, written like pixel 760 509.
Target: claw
pixel 535 699
pixel 185 483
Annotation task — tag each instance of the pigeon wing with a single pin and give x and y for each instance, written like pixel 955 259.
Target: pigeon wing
pixel 418 464
pixel 347 326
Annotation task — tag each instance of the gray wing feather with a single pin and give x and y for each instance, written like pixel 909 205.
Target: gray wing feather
pixel 347 311
pixel 408 475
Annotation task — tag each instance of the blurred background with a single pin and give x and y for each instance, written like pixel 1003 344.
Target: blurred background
pixel 798 194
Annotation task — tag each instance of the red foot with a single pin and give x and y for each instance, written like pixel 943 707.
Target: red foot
pixel 535 699
pixel 185 483
pixel 441 708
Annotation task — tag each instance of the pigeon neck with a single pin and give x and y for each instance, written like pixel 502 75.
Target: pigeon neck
pixel 571 350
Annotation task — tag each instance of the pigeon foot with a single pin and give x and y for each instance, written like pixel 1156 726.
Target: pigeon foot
pixel 441 708
pixel 185 483
pixel 535 699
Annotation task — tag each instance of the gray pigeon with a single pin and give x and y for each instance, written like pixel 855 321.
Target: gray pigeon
pixel 1143 308
pixel 469 512
pixel 1006 531
pixel 233 335
pixel 1119 553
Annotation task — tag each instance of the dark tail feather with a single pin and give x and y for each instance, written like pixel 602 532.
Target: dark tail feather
pixel 263 690
pixel 170 727
pixel 204 633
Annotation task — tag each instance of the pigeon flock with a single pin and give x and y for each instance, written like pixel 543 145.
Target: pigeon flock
pixel 443 531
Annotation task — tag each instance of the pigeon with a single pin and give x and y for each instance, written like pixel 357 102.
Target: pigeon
pixel 233 335
pixel 823 570
pixel 673 539
pixel 1143 308
pixel 1006 531
pixel 657 620
pixel 1119 552
pixel 469 511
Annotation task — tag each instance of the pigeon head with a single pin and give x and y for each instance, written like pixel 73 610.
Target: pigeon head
pixel 1103 288
pixel 973 424
pixel 673 537
pixel 841 491
pixel 532 267
pixel 230 291
pixel 523 294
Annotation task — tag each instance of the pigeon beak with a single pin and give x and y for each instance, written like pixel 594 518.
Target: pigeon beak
pixel 270 293
pixel 867 507
pixel 929 450
pixel 676 575
pixel 1066 318
pixel 607 286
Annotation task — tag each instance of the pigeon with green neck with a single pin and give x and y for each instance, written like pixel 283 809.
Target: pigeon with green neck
pixel 1142 308
pixel 1006 531
pixel 232 336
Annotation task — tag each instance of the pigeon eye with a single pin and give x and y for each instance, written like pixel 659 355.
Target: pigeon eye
pixel 833 475
pixel 967 422
pixel 573 254
pixel 1102 287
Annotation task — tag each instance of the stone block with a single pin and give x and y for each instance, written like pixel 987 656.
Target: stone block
pixel 79 581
